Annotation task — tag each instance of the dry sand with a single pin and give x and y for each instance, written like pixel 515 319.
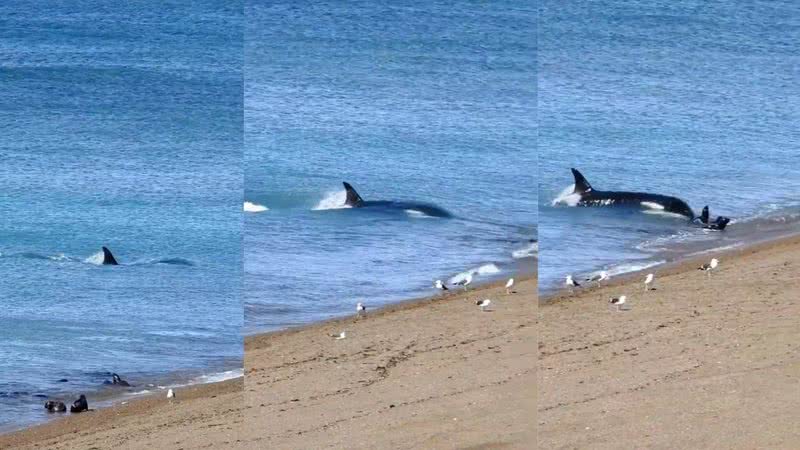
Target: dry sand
pixel 697 363
pixel 436 373
pixel 203 416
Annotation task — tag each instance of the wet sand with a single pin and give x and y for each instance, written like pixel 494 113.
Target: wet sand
pixel 435 373
pixel 696 363
pixel 201 416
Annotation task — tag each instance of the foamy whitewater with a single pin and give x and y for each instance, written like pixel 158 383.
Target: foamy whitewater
pixel 129 137
pixel 432 107
pixel 619 102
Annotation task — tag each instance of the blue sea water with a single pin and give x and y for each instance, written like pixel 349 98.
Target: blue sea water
pixel 694 99
pixel 417 101
pixel 121 126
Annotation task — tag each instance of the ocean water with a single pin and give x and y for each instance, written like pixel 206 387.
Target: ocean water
pixel 692 99
pixel 121 126
pixel 430 102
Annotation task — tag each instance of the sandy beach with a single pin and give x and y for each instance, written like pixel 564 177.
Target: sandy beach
pixel 201 416
pixel 435 373
pixel 696 363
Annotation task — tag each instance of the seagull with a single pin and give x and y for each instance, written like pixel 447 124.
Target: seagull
pixel 361 309
pixel 571 283
pixel 599 277
pixel 708 267
pixel 464 281
pixel 170 394
pixel 618 301
pixel 440 285
pixel 648 281
pixel 509 284
pixel 483 304
pixel 341 335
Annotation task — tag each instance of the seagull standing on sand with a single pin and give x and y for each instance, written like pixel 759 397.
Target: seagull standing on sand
pixel 509 284
pixel 341 335
pixel 464 281
pixel 619 302
pixel 708 267
pixel 440 285
pixel 648 281
pixel 170 394
pixel 571 283
pixel 483 304
pixel 361 309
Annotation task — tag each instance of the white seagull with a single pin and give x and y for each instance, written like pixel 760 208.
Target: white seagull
pixel 648 281
pixel 341 335
pixel 440 285
pixel 170 394
pixel 571 283
pixel 618 301
pixel 509 284
pixel 464 281
pixel 361 309
pixel 483 304
pixel 708 267
pixel 599 277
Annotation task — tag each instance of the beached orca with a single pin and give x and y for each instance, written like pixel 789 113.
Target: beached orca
pixel 355 201
pixel 642 200
pixel 79 405
pixel 54 406
pixel 117 380
pixel 108 258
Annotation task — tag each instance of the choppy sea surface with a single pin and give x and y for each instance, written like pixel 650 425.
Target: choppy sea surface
pixel 692 99
pixel 121 127
pixel 419 102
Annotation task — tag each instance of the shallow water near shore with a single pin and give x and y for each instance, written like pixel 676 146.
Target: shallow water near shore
pixel 624 98
pixel 123 129
pixel 413 102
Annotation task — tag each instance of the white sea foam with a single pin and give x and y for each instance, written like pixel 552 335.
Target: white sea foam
pixel 333 200
pixel 486 269
pixel 221 376
pixel 567 197
pixel 254 207
pixel 526 252
pixel 662 213
pixel 633 267
pixel 96 259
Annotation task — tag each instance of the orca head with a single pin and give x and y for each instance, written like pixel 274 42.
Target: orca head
pixel 108 258
pixel 581 185
pixel 353 199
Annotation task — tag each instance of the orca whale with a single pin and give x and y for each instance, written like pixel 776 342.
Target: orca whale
pixel 108 258
pixel 355 201
pixel 642 200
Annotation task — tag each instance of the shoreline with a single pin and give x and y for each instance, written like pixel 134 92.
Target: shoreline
pixel 689 365
pixel 670 266
pixel 143 422
pixel 433 372
pixel 107 396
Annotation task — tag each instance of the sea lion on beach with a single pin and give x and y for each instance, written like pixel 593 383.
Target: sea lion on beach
pixel 54 406
pixel 79 405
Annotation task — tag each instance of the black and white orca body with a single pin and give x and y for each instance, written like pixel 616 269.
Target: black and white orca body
pixel 590 197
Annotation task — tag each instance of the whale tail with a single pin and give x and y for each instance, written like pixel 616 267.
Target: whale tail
pixel 581 185
pixel 108 258
pixel 704 215
pixel 353 199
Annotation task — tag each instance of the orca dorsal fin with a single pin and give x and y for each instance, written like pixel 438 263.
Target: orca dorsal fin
pixel 581 185
pixel 353 199
pixel 108 258
pixel 704 215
